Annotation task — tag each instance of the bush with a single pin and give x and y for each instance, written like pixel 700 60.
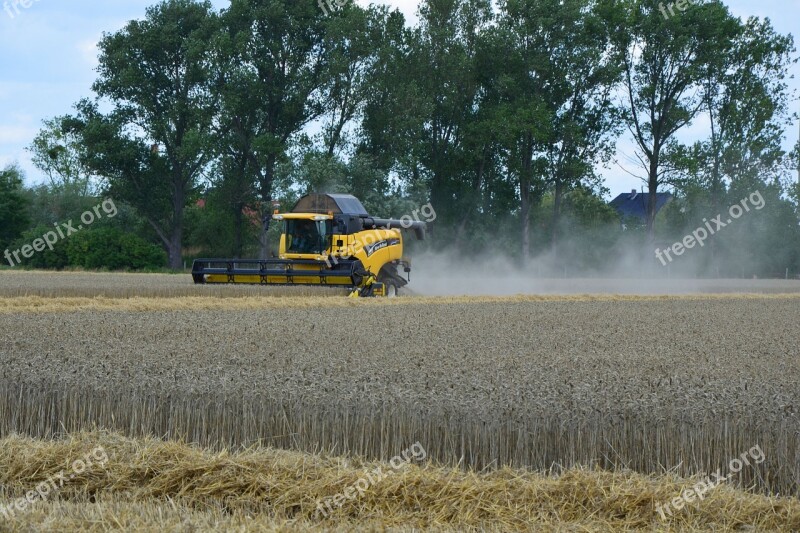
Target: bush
pixel 50 259
pixel 101 248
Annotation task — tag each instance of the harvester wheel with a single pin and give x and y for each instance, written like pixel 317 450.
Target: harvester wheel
pixel 390 288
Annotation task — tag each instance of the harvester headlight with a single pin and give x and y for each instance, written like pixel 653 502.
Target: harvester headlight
pixel 278 217
pixel 321 217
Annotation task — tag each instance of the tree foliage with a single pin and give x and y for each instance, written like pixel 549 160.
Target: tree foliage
pixel 155 143
pixel 498 114
pixel 14 217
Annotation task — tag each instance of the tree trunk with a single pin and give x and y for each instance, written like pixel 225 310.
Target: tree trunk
pixel 525 179
pixel 265 192
pixel 559 194
pixel 266 219
pixel 473 201
pixel 238 202
pixel 716 191
pixel 652 189
pixel 176 249
pixel 176 230
pixel 525 212
pixel 238 228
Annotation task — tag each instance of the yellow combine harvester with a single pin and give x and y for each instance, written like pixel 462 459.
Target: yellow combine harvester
pixel 328 240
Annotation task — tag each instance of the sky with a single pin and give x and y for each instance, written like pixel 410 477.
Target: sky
pixel 48 57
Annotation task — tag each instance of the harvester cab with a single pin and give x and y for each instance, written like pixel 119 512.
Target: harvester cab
pixel 327 240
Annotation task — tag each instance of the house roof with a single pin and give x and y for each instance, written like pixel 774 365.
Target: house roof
pixel 634 204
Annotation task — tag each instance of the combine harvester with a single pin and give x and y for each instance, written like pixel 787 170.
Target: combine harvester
pixel 327 240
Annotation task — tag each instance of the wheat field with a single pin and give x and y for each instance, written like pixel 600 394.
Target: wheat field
pixel 149 484
pixel 580 395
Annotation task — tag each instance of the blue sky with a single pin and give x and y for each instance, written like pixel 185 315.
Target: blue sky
pixel 48 57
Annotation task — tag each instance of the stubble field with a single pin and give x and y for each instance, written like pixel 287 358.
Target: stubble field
pixel 638 386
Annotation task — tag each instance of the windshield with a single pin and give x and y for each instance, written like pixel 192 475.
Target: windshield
pixel 307 236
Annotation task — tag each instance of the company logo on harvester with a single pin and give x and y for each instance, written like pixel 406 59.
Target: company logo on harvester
pixel 380 245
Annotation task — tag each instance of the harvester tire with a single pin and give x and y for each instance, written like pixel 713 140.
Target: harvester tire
pixel 391 289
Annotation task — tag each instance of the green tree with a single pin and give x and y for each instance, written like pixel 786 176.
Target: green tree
pixel 584 122
pixel 154 144
pixel 271 73
pixel 57 152
pixel 214 230
pixel 390 112
pixel 353 40
pixel 534 37
pixel 664 60
pixel 747 105
pixel 50 205
pixel 423 102
pixel 316 171
pixel 445 73
pixel 746 98
pixel 14 217
pixel 593 227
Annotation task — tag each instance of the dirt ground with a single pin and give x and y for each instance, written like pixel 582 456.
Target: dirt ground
pixel 431 283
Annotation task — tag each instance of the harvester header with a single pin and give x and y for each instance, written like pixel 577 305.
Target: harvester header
pixel 327 240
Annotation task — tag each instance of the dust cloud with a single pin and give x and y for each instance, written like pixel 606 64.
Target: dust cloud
pixel 443 275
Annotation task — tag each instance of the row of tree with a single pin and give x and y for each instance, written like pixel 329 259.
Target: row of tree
pixel 499 116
